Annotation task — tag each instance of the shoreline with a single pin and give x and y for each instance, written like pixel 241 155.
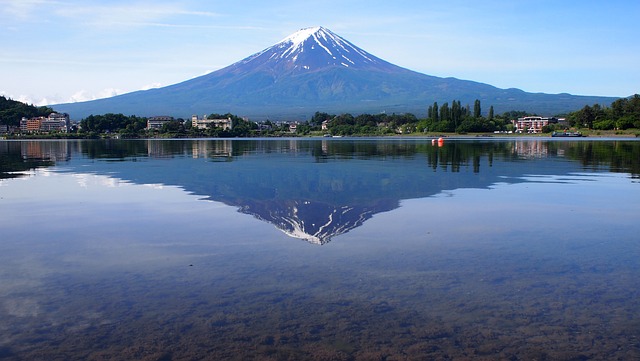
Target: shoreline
pixel 585 134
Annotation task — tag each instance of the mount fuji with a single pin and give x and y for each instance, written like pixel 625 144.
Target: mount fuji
pixel 316 70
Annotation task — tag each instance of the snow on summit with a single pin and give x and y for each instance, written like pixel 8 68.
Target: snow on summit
pixel 296 39
pixel 312 49
pixel 339 51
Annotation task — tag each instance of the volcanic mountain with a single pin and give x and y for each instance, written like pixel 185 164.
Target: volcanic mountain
pixel 317 70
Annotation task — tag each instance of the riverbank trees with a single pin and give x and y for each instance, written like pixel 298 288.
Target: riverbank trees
pixel 447 117
pixel 623 113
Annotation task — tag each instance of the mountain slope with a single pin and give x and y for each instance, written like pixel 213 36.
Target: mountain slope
pixel 316 70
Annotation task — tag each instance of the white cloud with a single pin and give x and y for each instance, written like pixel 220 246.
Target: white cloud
pixel 28 99
pixel 24 98
pixel 151 86
pixel 79 96
pixel 84 95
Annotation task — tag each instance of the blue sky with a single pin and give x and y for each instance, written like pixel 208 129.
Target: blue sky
pixel 54 51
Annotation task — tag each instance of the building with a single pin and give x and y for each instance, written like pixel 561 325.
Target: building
pixel 204 123
pixel 55 122
pixel 532 124
pixel 30 125
pixel 158 122
pixel 264 127
pixel 7 129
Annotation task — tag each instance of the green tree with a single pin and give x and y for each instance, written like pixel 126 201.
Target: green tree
pixel 476 109
pixel 11 111
pixel 319 117
pixel 445 115
pixel 586 116
pixel 456 113
pixel 434 114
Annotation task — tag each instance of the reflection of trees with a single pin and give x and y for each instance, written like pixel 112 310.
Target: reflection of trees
pixel 455 155
pixel 113 149
pixel 615 156
pixel 13 159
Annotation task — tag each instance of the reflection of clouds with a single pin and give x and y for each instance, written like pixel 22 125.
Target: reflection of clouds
pixel 110 182
pixel 11 283
pixel 21 176
pixel 43 172
pixel 85 180
pixel 20 278
pixel 22 307
pixel 86 320
pixel 81 179
pixel 109 225
pixel 65 235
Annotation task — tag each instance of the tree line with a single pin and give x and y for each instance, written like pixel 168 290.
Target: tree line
pixel 12 111
pixel 133 126
pixel 624 113
pixel 440 118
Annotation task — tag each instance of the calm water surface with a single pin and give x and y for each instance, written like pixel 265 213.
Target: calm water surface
pixel 332 249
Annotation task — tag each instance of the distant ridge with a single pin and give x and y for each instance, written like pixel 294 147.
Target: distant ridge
pixel 316 70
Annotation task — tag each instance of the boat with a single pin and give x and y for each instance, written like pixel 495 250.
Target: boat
pixel 566 134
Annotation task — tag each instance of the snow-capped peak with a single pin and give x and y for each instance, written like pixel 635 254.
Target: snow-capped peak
pixel 312 49
pixel 337 51
pixel 296 39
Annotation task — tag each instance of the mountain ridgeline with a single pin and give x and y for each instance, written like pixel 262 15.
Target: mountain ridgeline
pixel 316 70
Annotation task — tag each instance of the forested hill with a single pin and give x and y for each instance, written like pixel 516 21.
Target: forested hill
pixel 11 111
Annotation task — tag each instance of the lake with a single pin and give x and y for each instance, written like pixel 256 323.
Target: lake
pixel 322 249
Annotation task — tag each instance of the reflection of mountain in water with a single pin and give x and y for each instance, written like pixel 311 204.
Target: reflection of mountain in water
pixel 313 221
pixel 318 189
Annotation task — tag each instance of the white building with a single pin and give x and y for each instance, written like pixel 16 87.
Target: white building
pixel 204 123
pixel 56 122
pixel 158 122
pixel 531 124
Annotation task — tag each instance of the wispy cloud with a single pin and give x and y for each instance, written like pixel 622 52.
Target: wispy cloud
pixel 24 9
pixel 136 13
pixel 78 96
pixel 133 14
